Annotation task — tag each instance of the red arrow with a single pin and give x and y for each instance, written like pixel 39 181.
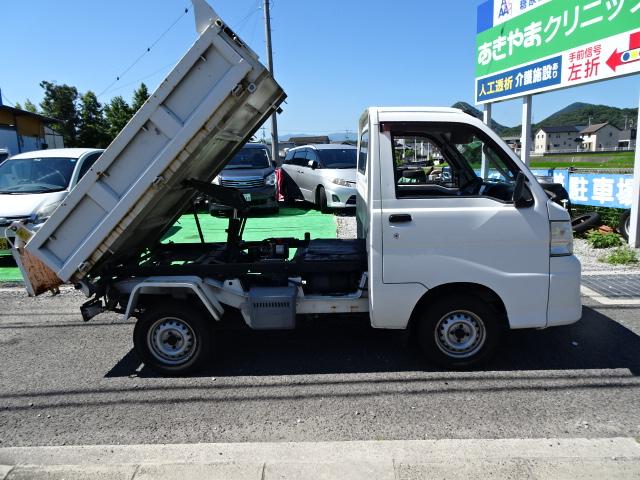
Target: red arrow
pixel 615 60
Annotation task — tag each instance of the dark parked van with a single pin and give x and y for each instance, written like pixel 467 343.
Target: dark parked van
pixel 253 173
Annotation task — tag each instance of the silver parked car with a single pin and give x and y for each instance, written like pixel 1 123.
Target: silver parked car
pixel 321 174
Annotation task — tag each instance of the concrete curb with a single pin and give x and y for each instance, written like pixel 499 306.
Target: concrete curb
pixel 509 458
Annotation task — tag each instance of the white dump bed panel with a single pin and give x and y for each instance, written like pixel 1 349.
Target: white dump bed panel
pixel 209 105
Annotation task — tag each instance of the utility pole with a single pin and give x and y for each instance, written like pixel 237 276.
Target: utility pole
pixel 274 118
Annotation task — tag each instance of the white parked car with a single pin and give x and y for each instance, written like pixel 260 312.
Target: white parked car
pixel 324 175
pixel 33 184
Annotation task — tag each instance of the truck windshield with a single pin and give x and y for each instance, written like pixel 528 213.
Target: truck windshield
pixel 250 158
pixel 36 175
pixel 338 158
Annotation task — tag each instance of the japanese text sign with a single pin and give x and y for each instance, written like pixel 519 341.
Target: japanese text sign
pixel 531 46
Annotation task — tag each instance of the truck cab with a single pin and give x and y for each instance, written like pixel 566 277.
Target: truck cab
pixel 453 219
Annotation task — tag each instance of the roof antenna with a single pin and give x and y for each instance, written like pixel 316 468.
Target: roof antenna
pixel 205 15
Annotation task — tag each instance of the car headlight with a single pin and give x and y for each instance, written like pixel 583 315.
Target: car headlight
pixel 561 239
pixel 270 179
pixel 343 183
pixel 216 181
pixel 45 212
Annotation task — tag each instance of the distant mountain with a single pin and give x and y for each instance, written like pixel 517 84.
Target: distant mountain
pixel 583 114
pixel 471 110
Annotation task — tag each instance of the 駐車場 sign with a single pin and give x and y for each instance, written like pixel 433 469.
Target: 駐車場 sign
pixel 531 46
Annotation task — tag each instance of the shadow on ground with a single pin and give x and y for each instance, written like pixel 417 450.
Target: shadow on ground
pixel 334 347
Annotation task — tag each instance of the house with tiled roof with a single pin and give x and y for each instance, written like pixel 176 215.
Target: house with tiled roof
pixel 600 136
pixel 564 137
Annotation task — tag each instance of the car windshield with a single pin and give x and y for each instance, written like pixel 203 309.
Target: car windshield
pixel 36 175
pixel 338 157
pixel 250 158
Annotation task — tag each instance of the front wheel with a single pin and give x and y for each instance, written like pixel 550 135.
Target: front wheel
pixel 459 331
pixel 172 339
pixel 321 201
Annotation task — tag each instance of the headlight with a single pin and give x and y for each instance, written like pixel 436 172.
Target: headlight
pixel 344 183
pixel 45 212
pixel 561 239
pixel 270 179
pixel 216 181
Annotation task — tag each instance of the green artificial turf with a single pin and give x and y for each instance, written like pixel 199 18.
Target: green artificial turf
pixel 290 222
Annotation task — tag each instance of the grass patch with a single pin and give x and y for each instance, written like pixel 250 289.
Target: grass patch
pixel 612 165
pixel 621 256
pixel 598 239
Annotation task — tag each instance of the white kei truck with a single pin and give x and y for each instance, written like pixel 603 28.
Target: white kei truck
pixel 457 241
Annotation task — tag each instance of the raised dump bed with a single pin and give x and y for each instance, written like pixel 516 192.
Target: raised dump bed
pixel 210 104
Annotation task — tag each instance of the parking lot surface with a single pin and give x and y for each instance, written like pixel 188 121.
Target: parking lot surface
pixel 64 382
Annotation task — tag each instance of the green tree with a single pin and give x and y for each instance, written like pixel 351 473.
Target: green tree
pixel 92 128
pixel 30 107
pixel 139 97
pixel 117 114
pixel 60 102
pixel 18 106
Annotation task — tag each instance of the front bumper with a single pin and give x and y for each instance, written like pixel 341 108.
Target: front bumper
pixel 261 198
pixel 565 306
pixel 340 197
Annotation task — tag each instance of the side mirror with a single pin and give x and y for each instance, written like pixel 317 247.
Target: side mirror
pixel 519 198
pixel 312 164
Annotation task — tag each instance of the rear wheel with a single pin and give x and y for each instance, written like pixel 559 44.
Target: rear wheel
pixel 172 339
pixel 321 200
pixel 459 331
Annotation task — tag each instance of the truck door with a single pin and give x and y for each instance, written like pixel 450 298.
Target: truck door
pixel 443 222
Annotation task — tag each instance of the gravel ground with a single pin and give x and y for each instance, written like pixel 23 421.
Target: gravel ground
pixel 589 258
pixel 346 226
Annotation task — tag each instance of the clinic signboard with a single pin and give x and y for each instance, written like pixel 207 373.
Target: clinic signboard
pixel 525 47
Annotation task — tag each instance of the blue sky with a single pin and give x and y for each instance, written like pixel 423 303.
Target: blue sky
pixel 333 57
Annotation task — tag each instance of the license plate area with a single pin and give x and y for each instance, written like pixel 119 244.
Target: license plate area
pixel 247 196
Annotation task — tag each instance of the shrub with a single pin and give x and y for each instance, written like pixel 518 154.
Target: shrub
pixel 621 256
pixel 599 239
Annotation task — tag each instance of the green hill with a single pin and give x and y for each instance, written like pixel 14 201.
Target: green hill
pixel 583 114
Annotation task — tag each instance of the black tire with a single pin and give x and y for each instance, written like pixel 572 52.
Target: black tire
pixel 464 315
pixel 625 223
pixel 585 222
pixel 180 323
pixel 321 200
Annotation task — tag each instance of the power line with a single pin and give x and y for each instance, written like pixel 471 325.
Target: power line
pixel 186 10
pixel 133 82
pixel 7 100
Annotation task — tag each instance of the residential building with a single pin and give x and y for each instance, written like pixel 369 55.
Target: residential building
pixel 557 138
pixel 600 136
pixel 627 139
pixel 22 131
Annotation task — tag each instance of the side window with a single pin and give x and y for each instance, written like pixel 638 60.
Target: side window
pixel 288 159
pixel 300 158
pixel 420 167
pixel 363 153
pixel 451 159
pixel 88 163
pixel 312 155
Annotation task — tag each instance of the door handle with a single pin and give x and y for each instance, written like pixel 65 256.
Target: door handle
pixel 400 218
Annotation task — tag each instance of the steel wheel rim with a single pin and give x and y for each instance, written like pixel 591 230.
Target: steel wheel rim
pixel 460 334
pixel 171 341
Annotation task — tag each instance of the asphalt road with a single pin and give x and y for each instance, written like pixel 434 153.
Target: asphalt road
pixel 65 382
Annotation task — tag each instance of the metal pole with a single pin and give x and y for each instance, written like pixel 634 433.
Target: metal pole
pixel 634 230
pixel 525 153
pixel 486 118
pixel 274 117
